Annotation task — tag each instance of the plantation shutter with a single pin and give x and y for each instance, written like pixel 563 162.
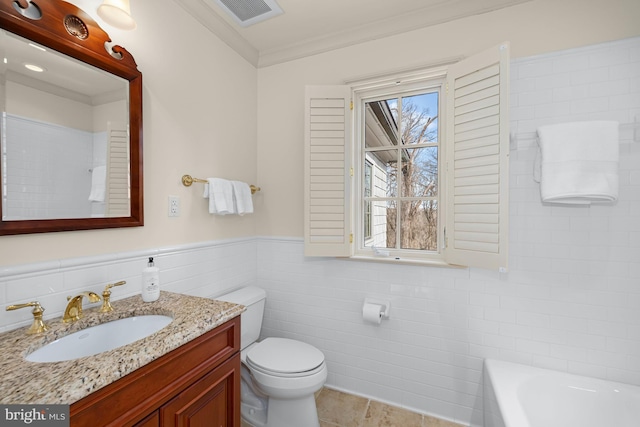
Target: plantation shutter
pixel 118 187
pixel 327 226
pixel 478 160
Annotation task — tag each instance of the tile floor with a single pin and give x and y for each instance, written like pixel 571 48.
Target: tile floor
pixel 338 409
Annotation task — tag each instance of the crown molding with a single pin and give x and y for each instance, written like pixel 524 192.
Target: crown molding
pixel 429 16
pixel 204 14
pixel 445 11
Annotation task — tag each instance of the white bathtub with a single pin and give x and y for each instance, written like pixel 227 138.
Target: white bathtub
pixel 524 396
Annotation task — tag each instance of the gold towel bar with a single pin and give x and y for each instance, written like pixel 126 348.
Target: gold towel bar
pixel 187 180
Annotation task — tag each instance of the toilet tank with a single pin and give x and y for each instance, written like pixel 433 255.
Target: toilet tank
pixel 253 298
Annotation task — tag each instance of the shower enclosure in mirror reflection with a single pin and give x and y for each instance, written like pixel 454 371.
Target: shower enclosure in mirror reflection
pixel 65 142
pixel 70 125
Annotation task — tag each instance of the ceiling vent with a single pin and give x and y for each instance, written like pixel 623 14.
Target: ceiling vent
pixel 249 12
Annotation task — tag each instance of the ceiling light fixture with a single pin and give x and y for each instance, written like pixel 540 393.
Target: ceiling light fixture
pixel 33 67
pixel 37 47
pixel 117 13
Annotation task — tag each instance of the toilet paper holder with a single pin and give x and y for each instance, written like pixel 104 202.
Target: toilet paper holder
pixel 386 306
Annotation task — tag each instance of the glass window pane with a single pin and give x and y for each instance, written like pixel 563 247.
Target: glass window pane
pixel 381 123
pixel 420 119
pixel 383 224
pixel 419 172
pixel 419 226
pixel 368 229
pixel 368 179
pixel 368 191
pixel 383 172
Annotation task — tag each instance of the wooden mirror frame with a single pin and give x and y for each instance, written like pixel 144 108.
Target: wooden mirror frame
pixel 67 29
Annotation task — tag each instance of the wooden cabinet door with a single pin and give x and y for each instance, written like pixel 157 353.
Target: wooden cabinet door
pixel 212 401
pixel 152 420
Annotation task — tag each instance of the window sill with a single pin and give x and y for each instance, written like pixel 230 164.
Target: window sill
pixel 404 261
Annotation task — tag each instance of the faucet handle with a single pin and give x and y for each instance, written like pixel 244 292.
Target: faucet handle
pixel 112 285
pixel 106 296
pixel 38 325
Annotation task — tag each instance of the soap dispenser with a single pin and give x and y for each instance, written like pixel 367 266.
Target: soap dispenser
pixel 150 282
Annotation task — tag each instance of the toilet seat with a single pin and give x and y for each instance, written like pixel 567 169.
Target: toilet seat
pixel 284 357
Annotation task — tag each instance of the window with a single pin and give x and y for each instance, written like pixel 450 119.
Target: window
pixel 411 167
pixel 398 141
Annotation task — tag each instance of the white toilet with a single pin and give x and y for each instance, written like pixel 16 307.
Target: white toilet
pixel 279 375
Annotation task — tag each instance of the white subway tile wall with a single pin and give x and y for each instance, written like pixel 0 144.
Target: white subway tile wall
pixel 32 147
pixel 203 269
pixel 571 300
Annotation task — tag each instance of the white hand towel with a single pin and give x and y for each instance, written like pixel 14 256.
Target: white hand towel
pixel 98 184
pixel 579 162
pixel 242 197
pixel 220 194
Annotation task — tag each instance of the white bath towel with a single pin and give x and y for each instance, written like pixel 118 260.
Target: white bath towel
pixel 579 162
pixel 98 184
pixel 220 194
pixel 242 197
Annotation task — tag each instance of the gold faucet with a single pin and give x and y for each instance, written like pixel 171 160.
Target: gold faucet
pixel 73 311
pixel 106 296
pixel 38 325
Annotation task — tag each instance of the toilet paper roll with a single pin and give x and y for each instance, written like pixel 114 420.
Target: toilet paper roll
pixel 372 313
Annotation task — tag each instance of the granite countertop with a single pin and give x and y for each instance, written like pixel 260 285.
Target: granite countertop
pixel 66 382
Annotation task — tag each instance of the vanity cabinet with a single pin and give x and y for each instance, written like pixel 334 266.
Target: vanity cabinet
pixel 207 402
pixel 152 420
pixel 197 384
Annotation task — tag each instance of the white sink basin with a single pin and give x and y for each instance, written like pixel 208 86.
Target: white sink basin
pixel 100 338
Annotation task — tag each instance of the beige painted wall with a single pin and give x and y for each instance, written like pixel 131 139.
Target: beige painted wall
pixel 201 101
pixel 20 101
pixel 49 108
pixel 532 28
pixel 199 118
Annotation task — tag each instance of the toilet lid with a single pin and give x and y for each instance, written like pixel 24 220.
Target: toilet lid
pixel 285 356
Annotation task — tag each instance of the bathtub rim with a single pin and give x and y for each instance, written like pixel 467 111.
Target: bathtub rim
pixel 511 375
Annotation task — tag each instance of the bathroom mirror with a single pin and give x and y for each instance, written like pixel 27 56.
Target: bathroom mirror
pixel 71 125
